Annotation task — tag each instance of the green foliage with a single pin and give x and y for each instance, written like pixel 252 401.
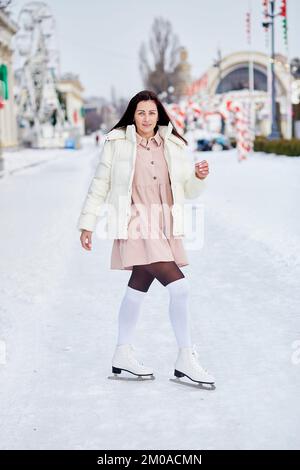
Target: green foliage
pixel 290 148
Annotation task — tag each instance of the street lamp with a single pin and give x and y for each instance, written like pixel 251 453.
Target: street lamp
pixel 275 134
pixel 217 63
pixel 170 92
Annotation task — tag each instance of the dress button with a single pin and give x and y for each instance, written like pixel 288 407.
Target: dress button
pixel 154 177
pixel 152 163
pixel 148 148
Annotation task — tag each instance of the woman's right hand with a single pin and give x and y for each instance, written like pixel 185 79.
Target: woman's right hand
pixel 86 239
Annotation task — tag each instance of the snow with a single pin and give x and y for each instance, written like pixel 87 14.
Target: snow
pixel 15 161
pixel 59 308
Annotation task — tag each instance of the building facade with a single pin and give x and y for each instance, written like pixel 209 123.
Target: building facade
pixel 8 122
pixel 230 76
pixel 70 90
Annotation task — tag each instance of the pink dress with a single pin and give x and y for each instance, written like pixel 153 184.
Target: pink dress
pixel 150 229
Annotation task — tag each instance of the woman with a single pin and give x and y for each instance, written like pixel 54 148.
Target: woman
pixel 144 170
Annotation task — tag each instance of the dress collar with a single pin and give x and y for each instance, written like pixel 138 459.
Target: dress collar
pixel 143 141
pixel 129 133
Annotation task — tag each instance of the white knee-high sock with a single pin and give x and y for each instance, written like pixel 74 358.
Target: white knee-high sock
pixel 179 311
pixel 128 314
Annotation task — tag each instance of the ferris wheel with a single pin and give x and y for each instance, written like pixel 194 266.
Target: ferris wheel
pixel 37 68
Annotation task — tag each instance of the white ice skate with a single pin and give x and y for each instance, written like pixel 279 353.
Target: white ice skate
pixel 187 365
pixel 124 359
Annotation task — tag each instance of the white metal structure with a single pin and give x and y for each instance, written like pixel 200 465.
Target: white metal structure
pixel 37 63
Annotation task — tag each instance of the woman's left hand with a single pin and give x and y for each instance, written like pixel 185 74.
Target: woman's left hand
pixel 201 169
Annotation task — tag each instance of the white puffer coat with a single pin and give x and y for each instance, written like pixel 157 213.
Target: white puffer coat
pixel 113 177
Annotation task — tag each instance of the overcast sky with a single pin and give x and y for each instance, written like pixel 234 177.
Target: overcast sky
pixel 100 40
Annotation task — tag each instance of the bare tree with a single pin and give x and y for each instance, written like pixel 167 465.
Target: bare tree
pixel 92 121
pixel 4 4
pixel 164 48
pixel 295 67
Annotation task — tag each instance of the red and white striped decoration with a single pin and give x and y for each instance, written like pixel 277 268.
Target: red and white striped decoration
pixel 248 27
pixel 190 110
pixel 178 115
pixel 244 139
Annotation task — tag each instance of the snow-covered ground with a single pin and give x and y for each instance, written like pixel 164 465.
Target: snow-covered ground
pixel 17 160
pixel 59 308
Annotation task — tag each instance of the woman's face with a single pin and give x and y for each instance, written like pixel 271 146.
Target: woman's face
pixel 146 117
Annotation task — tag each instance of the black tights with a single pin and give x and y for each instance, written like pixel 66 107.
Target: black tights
pixel 164 271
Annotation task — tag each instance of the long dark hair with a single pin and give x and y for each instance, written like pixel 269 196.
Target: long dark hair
pixel 163 117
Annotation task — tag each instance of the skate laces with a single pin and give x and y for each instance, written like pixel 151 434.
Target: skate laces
pixel 132 350
pixel 195 355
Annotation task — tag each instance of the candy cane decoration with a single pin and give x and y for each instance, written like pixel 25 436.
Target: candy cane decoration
pixel 244 139
pixel 190 110
pixel 178 115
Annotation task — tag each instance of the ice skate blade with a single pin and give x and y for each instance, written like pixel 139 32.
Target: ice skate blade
pixel 135 378
pixel 202 386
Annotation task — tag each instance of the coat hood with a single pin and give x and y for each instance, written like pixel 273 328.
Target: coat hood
pixel 130 134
